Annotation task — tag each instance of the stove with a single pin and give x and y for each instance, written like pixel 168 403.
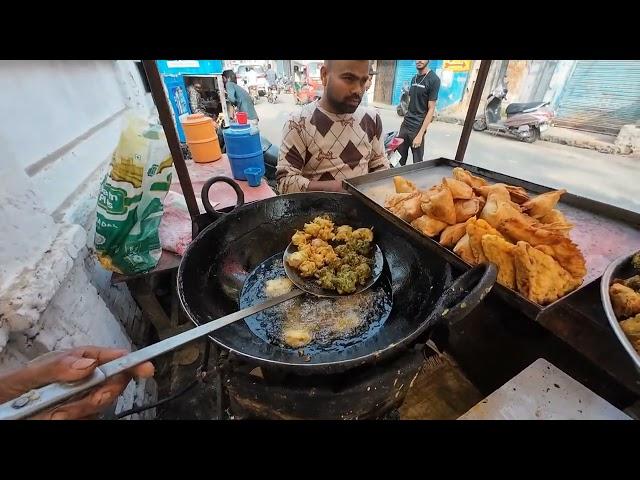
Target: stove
pixel 368 392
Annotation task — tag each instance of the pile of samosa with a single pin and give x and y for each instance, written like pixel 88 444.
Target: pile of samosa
pixel 527 238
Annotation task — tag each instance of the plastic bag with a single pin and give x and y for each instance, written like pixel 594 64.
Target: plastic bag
pixel 131 197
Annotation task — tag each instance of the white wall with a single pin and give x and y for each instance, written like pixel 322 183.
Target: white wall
pixel 61 121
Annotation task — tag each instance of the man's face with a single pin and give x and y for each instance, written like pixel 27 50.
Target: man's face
pixel 198 87
pixel 420 64
pixel 344 83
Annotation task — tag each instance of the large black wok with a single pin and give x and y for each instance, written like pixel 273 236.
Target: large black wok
pixel 216 264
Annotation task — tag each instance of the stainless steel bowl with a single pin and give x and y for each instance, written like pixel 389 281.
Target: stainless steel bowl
pixel 619 268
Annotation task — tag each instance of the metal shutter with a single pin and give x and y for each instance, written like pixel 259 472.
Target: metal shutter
pixel 405 70
pixel 601 96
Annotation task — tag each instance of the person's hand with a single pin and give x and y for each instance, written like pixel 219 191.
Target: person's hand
pixel 417 141
pixel 70 366
pixel 334 186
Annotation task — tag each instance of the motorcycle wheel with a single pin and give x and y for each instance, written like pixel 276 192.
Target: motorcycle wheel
pixel 479 125
pixel 535 134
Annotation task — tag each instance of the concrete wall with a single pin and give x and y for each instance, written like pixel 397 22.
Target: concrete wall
pixel 60 125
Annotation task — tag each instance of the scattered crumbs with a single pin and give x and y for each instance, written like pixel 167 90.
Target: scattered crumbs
pixel 579 401
pixel 556 385
pixel 548 389
pixel 514 389
pixel 485 401
pixel 306 358
pixel 580 411
pixel 548 367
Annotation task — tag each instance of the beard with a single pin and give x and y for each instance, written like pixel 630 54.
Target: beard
pixel 343 105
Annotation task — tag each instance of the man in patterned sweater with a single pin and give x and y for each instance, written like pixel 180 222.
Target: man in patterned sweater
pixel 334 138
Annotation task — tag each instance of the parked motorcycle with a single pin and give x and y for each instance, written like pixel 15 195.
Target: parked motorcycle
pixel 272 94
pixel 284 84
pixel 525 121
pixel 391 144
pixel 403 106
pixel 253 92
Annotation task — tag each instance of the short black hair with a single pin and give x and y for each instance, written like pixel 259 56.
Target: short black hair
pixel 230 75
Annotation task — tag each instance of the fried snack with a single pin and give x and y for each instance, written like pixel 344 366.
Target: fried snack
pixel 561 248
pixel 539 277
pixel 498 190
pixel 296 258
pixel 465 209
pixel 463 250
pixel 518 194
pixel 343 233
pixel 403 185
pixel 307 268
pixel 300 238
pixel 428 226
pixel 476 230
pixel 462 175
pixel 427 194
pixel 633 282
pixel 497 209
pixel 365 234
pixel 405 205
pixel 555 221
pixel 453 233
pixel 296 337
pixel 625 300
pixel 440 207
pixel 539 206
pixel 631 328
pixel 458 189
pixel 499 251
pixel 277 287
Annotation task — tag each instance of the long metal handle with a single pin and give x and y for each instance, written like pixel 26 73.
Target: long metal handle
pixel 37 400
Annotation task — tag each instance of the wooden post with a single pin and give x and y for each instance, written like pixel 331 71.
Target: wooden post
pixel 483 71
pixel 164 111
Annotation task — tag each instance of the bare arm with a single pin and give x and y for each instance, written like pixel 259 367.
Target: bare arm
pixel 325 186
pixel 425 123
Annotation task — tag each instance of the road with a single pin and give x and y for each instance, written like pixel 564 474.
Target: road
pixel 613 179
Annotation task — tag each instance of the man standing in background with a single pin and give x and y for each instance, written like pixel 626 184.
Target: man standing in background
pixel 271 76
pixel 238 97
pixel 195 98
pixel 423 94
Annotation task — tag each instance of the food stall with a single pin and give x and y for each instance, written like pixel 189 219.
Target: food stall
pixel 571 332
pixel 178 75
pixel 430 302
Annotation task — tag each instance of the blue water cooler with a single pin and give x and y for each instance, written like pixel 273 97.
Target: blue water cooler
pixel 244 150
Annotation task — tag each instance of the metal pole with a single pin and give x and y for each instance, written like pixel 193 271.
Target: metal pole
pixel 481 79
pixel 159 98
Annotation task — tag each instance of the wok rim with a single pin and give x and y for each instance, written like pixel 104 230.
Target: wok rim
pixel 307 368
pixel 605 283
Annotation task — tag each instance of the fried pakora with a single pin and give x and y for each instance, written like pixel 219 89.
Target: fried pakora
pixel 341 267
pixel 625 300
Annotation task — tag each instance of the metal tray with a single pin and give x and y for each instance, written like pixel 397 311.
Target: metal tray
pixel 603 232
pixel 620 268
